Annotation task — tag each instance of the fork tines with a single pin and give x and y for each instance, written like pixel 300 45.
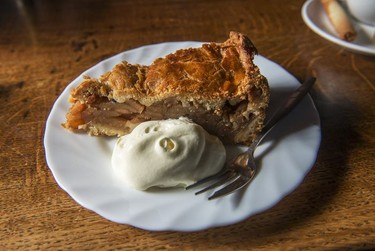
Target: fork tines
pixel 234 180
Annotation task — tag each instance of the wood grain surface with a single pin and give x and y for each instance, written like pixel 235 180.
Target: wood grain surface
pixel 45 44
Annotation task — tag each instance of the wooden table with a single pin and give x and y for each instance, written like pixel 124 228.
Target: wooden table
pixel 45 44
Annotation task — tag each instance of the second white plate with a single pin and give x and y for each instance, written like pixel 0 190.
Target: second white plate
pixel 316 19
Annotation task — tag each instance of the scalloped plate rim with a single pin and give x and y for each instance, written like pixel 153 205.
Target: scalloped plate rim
pixel 235 209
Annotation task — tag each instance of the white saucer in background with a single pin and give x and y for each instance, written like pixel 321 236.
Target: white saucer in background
pixel 316 19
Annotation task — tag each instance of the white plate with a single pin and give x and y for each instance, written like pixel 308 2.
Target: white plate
pixel 81 164
pixel 315 18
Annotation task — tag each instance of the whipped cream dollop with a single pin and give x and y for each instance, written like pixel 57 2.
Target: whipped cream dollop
pixel 167 153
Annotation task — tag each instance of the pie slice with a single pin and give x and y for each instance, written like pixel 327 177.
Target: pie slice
pixel 217 86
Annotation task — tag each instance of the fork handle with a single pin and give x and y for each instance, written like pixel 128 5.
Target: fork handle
pixel 289 104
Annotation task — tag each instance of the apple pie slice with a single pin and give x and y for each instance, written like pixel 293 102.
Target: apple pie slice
pixel 217 86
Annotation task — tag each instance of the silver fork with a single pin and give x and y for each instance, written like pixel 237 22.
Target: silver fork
pixel 242 168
